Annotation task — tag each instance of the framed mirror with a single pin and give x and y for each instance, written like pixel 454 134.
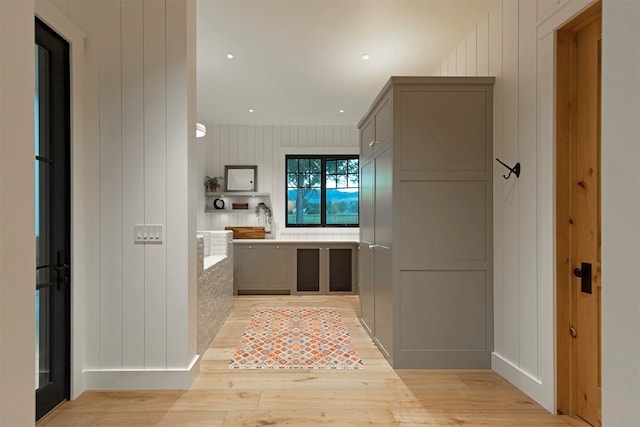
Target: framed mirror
pixel 241 178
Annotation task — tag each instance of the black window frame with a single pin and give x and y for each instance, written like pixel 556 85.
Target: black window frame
pixel 323 189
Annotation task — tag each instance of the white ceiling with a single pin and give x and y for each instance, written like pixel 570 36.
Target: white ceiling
pixel 298 62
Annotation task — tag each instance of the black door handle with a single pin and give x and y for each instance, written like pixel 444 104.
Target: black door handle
pixel 63 277
pixel 584 273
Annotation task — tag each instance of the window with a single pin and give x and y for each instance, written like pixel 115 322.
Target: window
pixel 322 191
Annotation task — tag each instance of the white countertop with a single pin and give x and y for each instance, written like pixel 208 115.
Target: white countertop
pixel 294 241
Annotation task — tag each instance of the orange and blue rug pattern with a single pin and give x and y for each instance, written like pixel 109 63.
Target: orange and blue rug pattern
pixel 296 338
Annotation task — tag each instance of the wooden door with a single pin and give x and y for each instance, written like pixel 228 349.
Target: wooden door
pixel 578 220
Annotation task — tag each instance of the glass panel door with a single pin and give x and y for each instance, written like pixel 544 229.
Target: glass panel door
pixel 52 202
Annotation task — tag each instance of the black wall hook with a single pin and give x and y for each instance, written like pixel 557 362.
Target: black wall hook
pixel 515 169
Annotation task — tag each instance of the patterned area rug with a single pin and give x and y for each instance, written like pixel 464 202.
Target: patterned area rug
pixel 296 338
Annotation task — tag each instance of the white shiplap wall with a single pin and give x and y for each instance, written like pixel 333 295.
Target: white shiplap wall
pixel 17 217
pixel 515 43
pixel 266 146
pixel 139 110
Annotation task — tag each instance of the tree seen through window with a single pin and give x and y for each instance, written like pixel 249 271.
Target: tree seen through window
pixel 322 191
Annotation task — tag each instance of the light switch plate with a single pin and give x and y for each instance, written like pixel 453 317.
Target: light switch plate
pixel 148 233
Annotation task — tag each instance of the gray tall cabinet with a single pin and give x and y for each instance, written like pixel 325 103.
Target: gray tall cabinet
pixel 426 252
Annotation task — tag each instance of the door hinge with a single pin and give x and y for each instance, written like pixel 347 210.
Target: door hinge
pixel 572 331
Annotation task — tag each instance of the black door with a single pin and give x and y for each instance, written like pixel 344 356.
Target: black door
pixel 52 142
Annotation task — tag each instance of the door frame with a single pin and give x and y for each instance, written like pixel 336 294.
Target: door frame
pixel 55 125
pixel 81 193
pixel 565 133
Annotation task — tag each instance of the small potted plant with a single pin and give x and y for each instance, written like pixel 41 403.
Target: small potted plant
pixel 210 184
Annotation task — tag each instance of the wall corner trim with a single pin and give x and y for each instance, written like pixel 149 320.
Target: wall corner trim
pixel 143 379
pixel 535 388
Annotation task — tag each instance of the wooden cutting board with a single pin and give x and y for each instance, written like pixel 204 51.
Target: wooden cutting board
pixel 247 232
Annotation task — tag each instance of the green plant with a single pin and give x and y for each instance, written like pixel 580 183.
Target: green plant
pixel 263 209
pixel 210 183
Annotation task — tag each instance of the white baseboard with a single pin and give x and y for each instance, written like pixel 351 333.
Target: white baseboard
pixel 142 379
pixel 525 382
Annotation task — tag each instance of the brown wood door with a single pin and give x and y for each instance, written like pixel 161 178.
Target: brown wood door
pixel 579 236
pixel 586 205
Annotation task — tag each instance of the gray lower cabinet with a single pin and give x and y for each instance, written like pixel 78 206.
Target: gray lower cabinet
pixel 295 268
pixel 308 269
pixel 326 269
pixel 426 249
pixel 262 269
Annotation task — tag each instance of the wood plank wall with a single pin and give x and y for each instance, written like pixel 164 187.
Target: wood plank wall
pixel 264 146
pixel 138 120
pixel 514 43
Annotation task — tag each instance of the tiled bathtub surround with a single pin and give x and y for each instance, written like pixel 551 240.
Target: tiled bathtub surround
pixel 215 284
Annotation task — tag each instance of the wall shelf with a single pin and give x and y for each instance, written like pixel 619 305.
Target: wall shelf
pixel 229 197
pixel 235 194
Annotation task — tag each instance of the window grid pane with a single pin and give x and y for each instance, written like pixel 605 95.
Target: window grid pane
pixel 322 191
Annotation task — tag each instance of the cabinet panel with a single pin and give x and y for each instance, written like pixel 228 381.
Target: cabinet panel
pixel 278 263
pixel 383 299
pixel 443 130
pixel 443 221
pixel 366 200
pixel 367 138
pixel 450 306
pixel 377 130
pixel 383 198
pixel 340 271
pixel 367 289
pixel 383 124
pixel 308 270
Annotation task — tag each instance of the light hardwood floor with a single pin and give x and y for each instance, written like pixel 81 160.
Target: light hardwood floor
pixel 377 395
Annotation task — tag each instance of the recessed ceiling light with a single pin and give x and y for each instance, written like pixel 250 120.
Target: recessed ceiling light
pixel 251 110
pixel 340 111
pixel 365 56
pixel 230 55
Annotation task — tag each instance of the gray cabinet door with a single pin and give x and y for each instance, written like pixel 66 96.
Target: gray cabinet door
pixel 383 300
pixel 278 264
pixel 367 205
pixel 340 270
pixel 308 270
pixel 367 289
pixel 367 138
pixel 383 234
pixel 443 238
pixel 248 267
